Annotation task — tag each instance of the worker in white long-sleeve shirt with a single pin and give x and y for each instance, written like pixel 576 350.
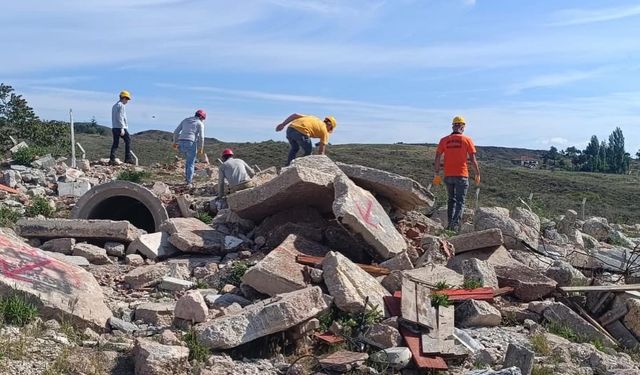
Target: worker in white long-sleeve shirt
pixel 237 173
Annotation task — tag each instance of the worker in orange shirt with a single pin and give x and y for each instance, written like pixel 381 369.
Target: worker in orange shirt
pixel 456 148
pixel 302 128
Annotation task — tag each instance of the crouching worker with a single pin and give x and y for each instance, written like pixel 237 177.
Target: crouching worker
pixel 237 173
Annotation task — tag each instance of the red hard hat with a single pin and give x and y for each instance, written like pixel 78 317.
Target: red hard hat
pixel 227 152
pixel 201 113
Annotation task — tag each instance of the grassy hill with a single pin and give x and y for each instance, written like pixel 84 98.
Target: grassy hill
pixel 503 183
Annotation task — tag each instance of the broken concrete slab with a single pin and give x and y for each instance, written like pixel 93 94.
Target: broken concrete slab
pixel 58 289
pixel 565 274
pixel 264 176
pixel 622 334
pixel 632 318
pixel 383 336
pixel 158 314
pixel 183 224
pixel 558 313
pixel 94 254
pixel 152 358
pixel 481 271
pixel 498 256
pixel 432 274
pixel 527 283
pixel 69 259
pixel 153 246
pixel 472 313
pixel 477 240
pixel 143 277
pixel 134 260
pixel 342 361
pixel 513 230
pixel 208 241
pixel 359 212
pixel 115 249
pixel 278 272
pixel 121 231
pixel 75 189
pixel 59 245
pixel 294 186
pixel 350 286
pixel 400 262
pixel 403 192
pixel 520 357
pixel 184 204
pixel 597 227
pixel 191 307
pixel 175 284
pixel 263 318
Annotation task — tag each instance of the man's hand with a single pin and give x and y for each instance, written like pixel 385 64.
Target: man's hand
pixel 175 146
pixel 201 152
pixel 122 132
pixel 477 179
pixel 437 180
pixel 280 127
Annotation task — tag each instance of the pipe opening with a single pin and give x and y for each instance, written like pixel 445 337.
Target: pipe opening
pixel 121 207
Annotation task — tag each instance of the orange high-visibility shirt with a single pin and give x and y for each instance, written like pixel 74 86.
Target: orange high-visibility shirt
pixel 456 148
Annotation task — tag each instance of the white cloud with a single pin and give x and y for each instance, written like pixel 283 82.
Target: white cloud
pixel 555 141
pixel 583 16
pixel 553 80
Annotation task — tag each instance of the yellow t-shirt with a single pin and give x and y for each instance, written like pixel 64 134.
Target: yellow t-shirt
pixel 313 127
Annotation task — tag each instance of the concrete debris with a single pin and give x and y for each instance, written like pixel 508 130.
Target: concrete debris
pixel 158 314
pixel 506 371
pixel 18 146
pixel 59 245
pixel 94 254
pixel 69 259
pixel 208 241
pixel 350 286
pixel 115 249
pixel 152 358
pixel 477 240
pixel 134 260
pixel 559 314
pixel 263 318
pixel 528 284
pixel 497 256
pixel 44 162
pixel 120 231
pixel 403 192
pixel 232 242
pixel 75 189
pixel 174 284
pixel 481 271
pixel 432 274
pixel 472 313
pixel 383 336
pixel 565 274
pixel 396 357
pixel 192 307
pixel 520 357
pixel 358 210
pixel 184 203
pixel 597 227
pixel 123 326
pixel 632 318
pixel 400 262
pixel 161 189
pixel 153 246
pixel 522 226
pixel 147 276
pixel 279 272
pixel 342 361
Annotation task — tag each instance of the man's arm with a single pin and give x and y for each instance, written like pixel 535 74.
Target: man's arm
pixel 322 149
pixel 284 123
pixel 436 164
pixel 474 164
pixel 201 137
pixel 176 133
pixel 249 170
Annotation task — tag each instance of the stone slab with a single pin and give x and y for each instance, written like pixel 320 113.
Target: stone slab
pixel 75 189
pixel 153 246
pixel 208 241
pixel 560 314
pixel 477 240
pixel 528 284
pixel 183 224
pixel 121 231
pixel 359 212
pixel 431 274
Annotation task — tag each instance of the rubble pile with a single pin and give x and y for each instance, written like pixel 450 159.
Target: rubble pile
pixel 331 260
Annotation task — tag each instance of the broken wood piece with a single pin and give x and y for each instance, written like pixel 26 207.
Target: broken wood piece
pixel 613 315
pixel 502 291
pixel 8 189
pixel 342 360
pixel 329 338
pixel 416 303
pixel 421 360
pixel 585 315
pixel 600 288
pixel 317 261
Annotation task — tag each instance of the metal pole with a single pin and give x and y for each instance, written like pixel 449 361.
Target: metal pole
pixel 73 140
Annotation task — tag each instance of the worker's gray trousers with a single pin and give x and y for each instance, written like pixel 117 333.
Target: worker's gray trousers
pixel 457 187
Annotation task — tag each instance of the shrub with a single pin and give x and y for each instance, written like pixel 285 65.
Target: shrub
pixel 471 283
pixel 540 344
pixel 440 285
pixel 40 206
pixel 15 309
pixel 197 351
pixel 133 176
pixel 8 217
pixel 25 156
pixel 235 274
pixel 440 300
pixel 204 217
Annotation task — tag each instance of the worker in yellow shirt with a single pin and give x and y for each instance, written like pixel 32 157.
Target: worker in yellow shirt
pixel 302 128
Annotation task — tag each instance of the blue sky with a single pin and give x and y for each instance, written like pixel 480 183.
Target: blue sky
pixel 523 73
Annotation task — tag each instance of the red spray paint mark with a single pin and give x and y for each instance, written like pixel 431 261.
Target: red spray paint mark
pixel 366 214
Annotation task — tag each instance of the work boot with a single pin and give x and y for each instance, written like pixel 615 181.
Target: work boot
pixel 112 162
pixel 129 161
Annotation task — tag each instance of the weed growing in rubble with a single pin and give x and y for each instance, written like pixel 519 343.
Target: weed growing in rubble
pixel 542 370
pixel 438 300
pixel 350 322
pixel 540 344
pixel 563 331
pixel 598 344
pixel 133 175
pixel 235 274
pixel 25 156
pixel 204 217
pixel 472 283
pixel 8 217
pixel 441 285
pixel 197 351
pixel 39 206
pixel 15 309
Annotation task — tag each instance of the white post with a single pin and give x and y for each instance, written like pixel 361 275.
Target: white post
pixel 584 202
pixel 134 158
pixel 84 153
pixel 73 140
pixel 13 140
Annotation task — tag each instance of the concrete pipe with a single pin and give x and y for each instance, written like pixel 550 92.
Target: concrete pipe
pixel 122 200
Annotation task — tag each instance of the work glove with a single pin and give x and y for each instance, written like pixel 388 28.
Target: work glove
pixel 175 146
pixel 437 180
pixel 477 179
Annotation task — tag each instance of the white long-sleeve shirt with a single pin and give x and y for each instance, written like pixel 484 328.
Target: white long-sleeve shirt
pixel 118 116
pixel 190 129
pixel 235 171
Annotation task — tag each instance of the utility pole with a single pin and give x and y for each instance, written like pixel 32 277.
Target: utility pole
pixel 73 140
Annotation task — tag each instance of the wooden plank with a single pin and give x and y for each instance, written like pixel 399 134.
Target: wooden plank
pixel 425 314
pixel 8 189
pixel 484 294
pixel 600 288
pixel 502 291
pixel 632 293
pixel 317 261
pixel 408 301
pixel 606 297
pixel 587 317
pixel 622 334
pixel 613 315
pixel 421 360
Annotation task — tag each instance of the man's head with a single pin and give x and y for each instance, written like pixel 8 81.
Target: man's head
pixel 457 124
pixel 226 154
pixel 201 114
pixel 125 96
pixel 331 123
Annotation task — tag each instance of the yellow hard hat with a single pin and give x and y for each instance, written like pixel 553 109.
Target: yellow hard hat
pixel 125 94
pixel 332 121
pixel 458 120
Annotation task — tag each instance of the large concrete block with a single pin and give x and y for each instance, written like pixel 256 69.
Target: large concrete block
pixel 403 192
pixel 57 288
pixel 152 358
pixel 350 286
pixel 359 211
pixel 528 284
pixel 294 186
pixel 472 313
pixel 153 246
pixel 208 241
pixel 562 315
pixel 183 224
pixel 263 318
pixel 279 272
pixel 476 240
pixel 120 231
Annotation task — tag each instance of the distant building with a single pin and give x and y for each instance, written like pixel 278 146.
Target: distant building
pixel 527 162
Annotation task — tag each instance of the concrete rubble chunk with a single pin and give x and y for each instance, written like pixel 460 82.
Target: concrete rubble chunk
pixel 482 271
pixel 59 245
pixel 431 274
pixel 498 256
pixel 400 262
pixel 477 240
pixel 94 254
pixel 472 313
pixel 175 284
pixel 115 249
pixel 513 230
pixel 342 361
pixel 506 371
pixel 562 315
pixel 153 246
pixel 158 314
pixel 208 241
pixel 54 286
pixel 403 192
pixel 44 162
pixel 350 286
pixel 75 188
pixel 520 357
pixel 153 358
pixel 11 178
pixel 17 147
pixel 565 274
pixel 143 277
pixel 263 318
pixel 294 186
pixel 121 231
pixel 161 189
pixel 321 163
pixel 192 307
pixel 278 272
pixel 182 224
pixel 121 325
pixel 69 259
pixel 597 227
pixel 184 204
pixel 632 318
pixel 359 212
pixel 232 242
pixel 383 336
pixel 528 284
pixel 134 260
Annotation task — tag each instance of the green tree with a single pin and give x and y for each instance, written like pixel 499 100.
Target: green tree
pixel 616 152
pixel 592 155
pixel 603 163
